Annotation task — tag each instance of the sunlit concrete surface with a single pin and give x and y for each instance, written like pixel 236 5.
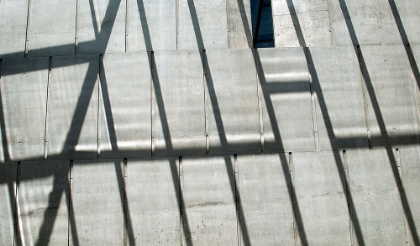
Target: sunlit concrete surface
pixel 134 122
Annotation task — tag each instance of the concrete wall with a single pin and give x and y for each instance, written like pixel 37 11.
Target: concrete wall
pixel 131 122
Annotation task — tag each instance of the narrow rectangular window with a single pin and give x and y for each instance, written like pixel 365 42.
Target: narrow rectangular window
pixel 262 23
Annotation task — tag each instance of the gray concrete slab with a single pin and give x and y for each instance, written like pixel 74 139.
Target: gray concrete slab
pixel 410 172
pixel 73 107
pixel 13 28
pixel 125 114
pixel 153 201
pixel 97 202
pixel 209 18
pixel 42 202
pixel 285 82
pixel 284 31
pixel 232 102
pixel 392 82
pixel 51 29
pixel 375 196
pixel 101 26
pixel 24 101
pixel 321 198
pixel 281 7
pixel 209 201
pixel 179 103
pixel 340 112
pixel 265 200
pixel 8 175
pixel 410 18
pixel 239 24
pixel 155 18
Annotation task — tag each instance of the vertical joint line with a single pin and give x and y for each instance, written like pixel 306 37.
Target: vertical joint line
pixel 70 202
pixel 46 109
pixel 152 113
pixel 181 199
pixel 125 208
pixel 17 224
pixel 237 200
pixel 348 200
pixel 75 27
pixel 177 24
pixel 27 29
pixel 126 26
pixel 100 102
pixel 260 108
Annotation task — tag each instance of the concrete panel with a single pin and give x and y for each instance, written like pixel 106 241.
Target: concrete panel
pixel 153 200
pixel 156 19
pixel 97 202
pixel 42 202
pixel 284 31
pixel 285 82
pixel 239 24
pixel 375 195
pixel 178 109
pixel 265 200
pixel 8 175
pixel 321 198
pixel 281 7
pixel 392 82
pixel 101 26
pixel 24 101
pixel 125 88
pixel 73 107
pixel 209 18
pixel 341 118
pixel 209 201
pixel 410 173
pixel 232 102
pixel 51 28
pixel 410 17
pixel 13 22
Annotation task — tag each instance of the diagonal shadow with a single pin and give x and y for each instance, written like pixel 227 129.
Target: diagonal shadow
pixel 164 120
pixel 378 113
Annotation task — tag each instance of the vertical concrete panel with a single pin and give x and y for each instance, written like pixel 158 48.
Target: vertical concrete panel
pixel 24 100
pixel 410 17
pixel 375 195
pixel 51 28
pixel 179 119
pixel 321 198
pixel 410 173
pixel 153 201
pixel 232 102
pixel 239 24
pixel 209 201
pixel 156 19
pixel 209 18
pixel 8 175
pixel 285 82
pixel 97 202
pixel 392 86
pixel 73 107
pixel 339 98
pixel 126 106
pixel 265 200
pixel 101 26
pixel 13 22
pixel 42 202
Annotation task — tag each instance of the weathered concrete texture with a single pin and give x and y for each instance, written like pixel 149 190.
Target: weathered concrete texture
pixel 73 107
pixel 125 114
pixel 153 201
pixel 265 201
pixel 376 198
pixel 178 107
pixel 239 24
pixel 285 82
pixel 209 201
pixel 98 202
pixel 43 189
pixel 13 22
pixel 151 25
pixel 24 100
pixel 340 113
pixel 101 26
pixel 371 22
pixel 232 102
pixel 410 173
pixel 51 29
pixel 321 197
pixel 409 16
pixel 8 175
pixel 307 21
pixel 202 25
pixel 390 97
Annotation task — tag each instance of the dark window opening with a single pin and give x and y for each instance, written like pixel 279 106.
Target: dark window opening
pixel 262 23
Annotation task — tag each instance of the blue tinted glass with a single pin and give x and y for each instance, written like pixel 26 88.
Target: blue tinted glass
pixel 265 37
